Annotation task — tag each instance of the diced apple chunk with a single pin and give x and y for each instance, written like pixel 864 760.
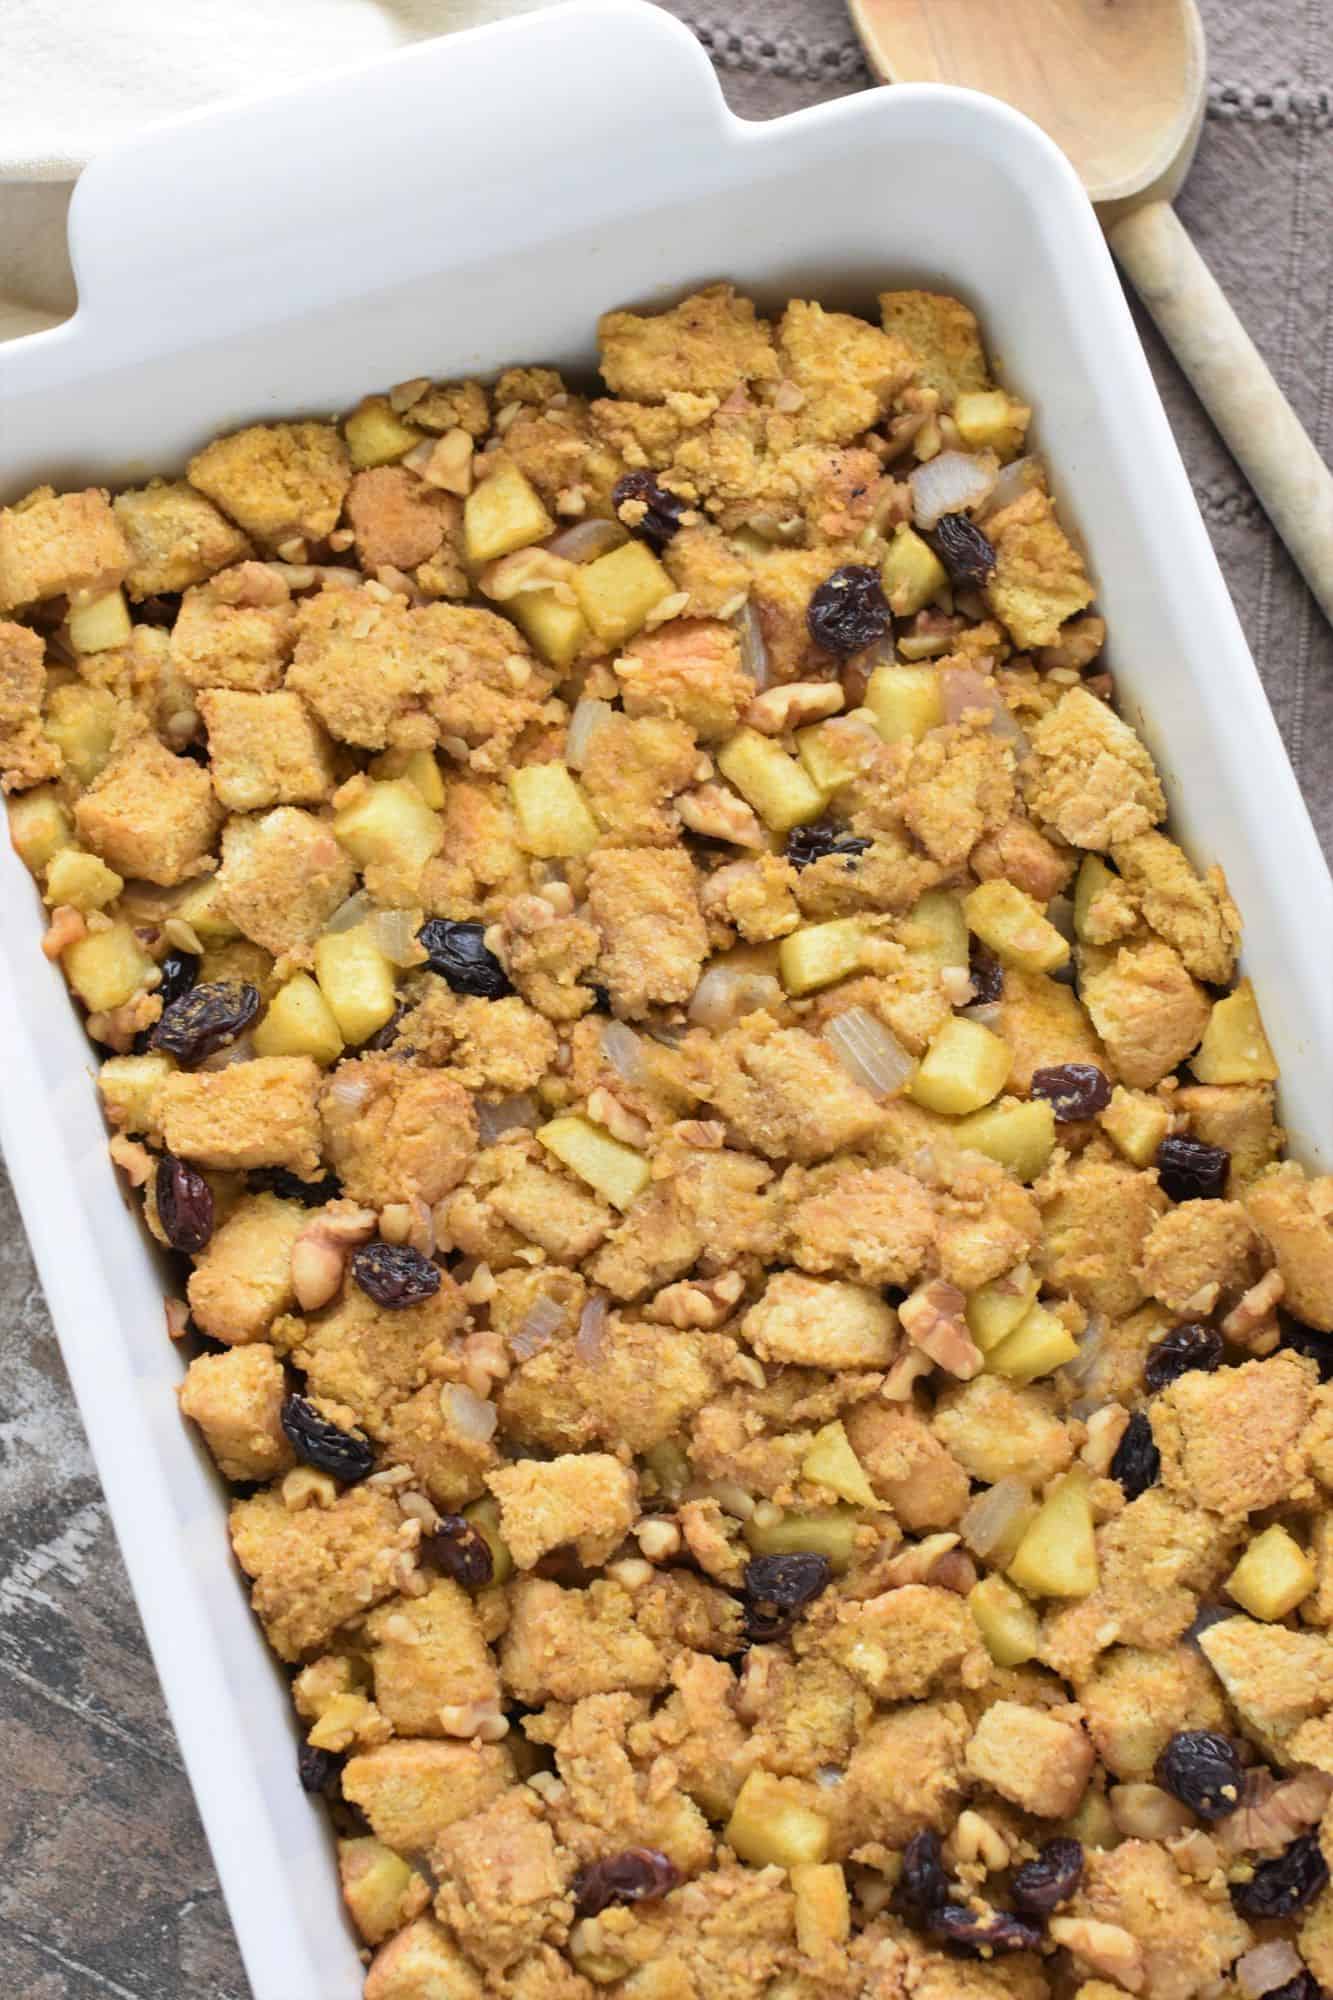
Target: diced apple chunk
pixel 831 1462
pixel 419 767
pixel 554 819
pixel 963 1069
pixel 614 1170
pixel 299 1022
pixel 129 1087
pixel 39 826
pixel 772 1827
pixel 823 1906
pixel 377 435
pixel 356 980
pixel 936 929
pixel 388 828
pixel 820 954
pixel 555 628
pixel 997 1308
pixel 1017 1134
pixel 381 1890
pixel 1094 878
pixel 912 573
pixel 1038 1345
pixel 833 754
pixel 905 702
pixel 107 968
pixel 203 908
pixel 81 880
pixel 1006 1621
pixel 485 1518
pixel 503 512
pixel 618 590
pixel 825 1531
pixel 1057 1557
pixel 1015 927
pixel 1273 1576
pixel 82 722
pixel 989 420
pixel 1235 1048
pixel 1135 1124
pixel 780 790
pixel 99 624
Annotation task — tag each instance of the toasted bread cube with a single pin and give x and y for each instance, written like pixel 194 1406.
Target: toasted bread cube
pixel 377 435
pixel 381 1890
pixel 277 481
pixel 771 1825
pixel 936 929
pixel 252 1114
pixel 555 628
pixel 615 1171
pixel 831 1462
pixel 1057 1557
pixel 236 1399
pixel 943 336
pixel 1235 1048
pixel 83 722
pixel 356 980
pixel 618 590
pixel 1135 1124
pixel 391 833
pixel 1039 579
pixel 99 623
pixel 1273 1576
pixel 912 574
pixel 242 1279
pixel 1037 1760
pixel 81 880
pixel 299 1022
pixel 502 513
pixel 1038 1345
pixel 1019 1135
pixel 107 968
pixel 963 1069
pixel 820 954
pixel 130 1089
pixel 419 767
pixel 265 750
pixel 422 1963
pixel 150 814
pixel 989 420
pixel 1015 927
pixel 820 1531
pixel 39 826
pixel 905 702
pixel 779 789
pixel 997 1308
pixel 554 819
pixel 58 544
pixel 1006 1621
pixel 176 538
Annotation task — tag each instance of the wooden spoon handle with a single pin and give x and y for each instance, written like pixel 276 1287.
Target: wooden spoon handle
pixel 1234 385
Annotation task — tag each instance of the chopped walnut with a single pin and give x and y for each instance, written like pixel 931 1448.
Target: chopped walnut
pixel 1252 1322
pixel 932 1317
pixel 1105 1947
pixel 779 709
pixel 621 1123
pixel 719 814
pixel 701 1302
pixel 320 1252
pixel 67 927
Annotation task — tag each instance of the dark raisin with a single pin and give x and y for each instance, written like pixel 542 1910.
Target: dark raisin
pixel 1202 1770
pixel 1137 1463
pixel 924 1883
pixel 179 970
pixel 1040 1886
pixel 987 973
pixel 1204 1618
pixel 601 999
pixel 1073 1090
pixel 314 1439
pixel 1185 1347
pixel 162 608
pixel 663 510
pixel 807 844
pixel 975 1931
pixel 636 1875
pixel 1286 1884
pixel 778 1587
pixel 184 1205
pixel 204 1020
pixel 282 1181
pixel 395 1275
pixel 317 1768
pixel 1190 1170
pixel 458 953
pixel 385 1037
pixel 1309 1341
pixel 967 554
pixel 1301 1986
pixel 459 1550
pixel 849 610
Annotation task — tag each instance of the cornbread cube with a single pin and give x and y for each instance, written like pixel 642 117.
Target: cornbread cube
pixel 1092 779
pixel 1187 1939
pixel 1199 1252
pixel 1044 1024
pixel 54 544
pixel 1237 1117
pixel 236 1399
pixel 585 1499
pixel 26 756
pixel 551 1211
pixel 370 1358
pixel 943 337
pixel 398 520
pixel 502 1880
pixel 242 1279
pixel 875 1225
pixel 786 1094
pixel 564 1644
pixel 848 370
pixel 276 481
pixel 1039 577
pixel 396 1133
pixel 1193 913
pixel 820 1323
pixel 316 1568
pixel 260 1113
pixel 356 663
pixel 1295 1218
pixel 176 537
pixel 1096 1216
pixel 654 940
pixel 421 1963
pixel 645 1387
pixel 905 1644
pixel 632 769
pixel 1148 1010
pixel 427 1654
pixel 150 814
pixel 218 643
pixel 381 1890
pixel 708 344
pixel 1133 1701
pixel 1275 1679
pixel 282 877
pixel 922 1481
pixel 1041 1762
pixel 1232 1441
pixel 411 1790
pixel 265 750
pixel 688 671
pixel 996 1429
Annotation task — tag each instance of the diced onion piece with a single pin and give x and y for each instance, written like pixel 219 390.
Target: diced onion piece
pixel 754 649
pixel 468 1414
pixel 986 1013
pixel 590 1343
pixel 351 913
pixel 543 1318
pixel 1012 482
pixel 395 932
pixel 953 483
pixel 725 994
pixel 349 1091
pixel 241 1050
pixel 1081 1372
pixel 992 1514
pixel 963 688
pixel 1268 1966
pixel 1060 912
pixel 506 1114
pixel 584 723
pixel 586 540
pixel 870 1053
pixel 623 1050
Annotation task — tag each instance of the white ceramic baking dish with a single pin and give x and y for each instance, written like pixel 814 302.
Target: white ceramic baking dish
pixel 454 208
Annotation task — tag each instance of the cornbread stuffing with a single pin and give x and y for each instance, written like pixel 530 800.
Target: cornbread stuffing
pixel 741 1265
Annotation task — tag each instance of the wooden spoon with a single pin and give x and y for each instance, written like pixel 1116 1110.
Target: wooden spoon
pixel 1121 86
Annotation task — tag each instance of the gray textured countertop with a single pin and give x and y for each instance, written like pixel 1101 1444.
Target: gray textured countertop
pixel 107 1892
